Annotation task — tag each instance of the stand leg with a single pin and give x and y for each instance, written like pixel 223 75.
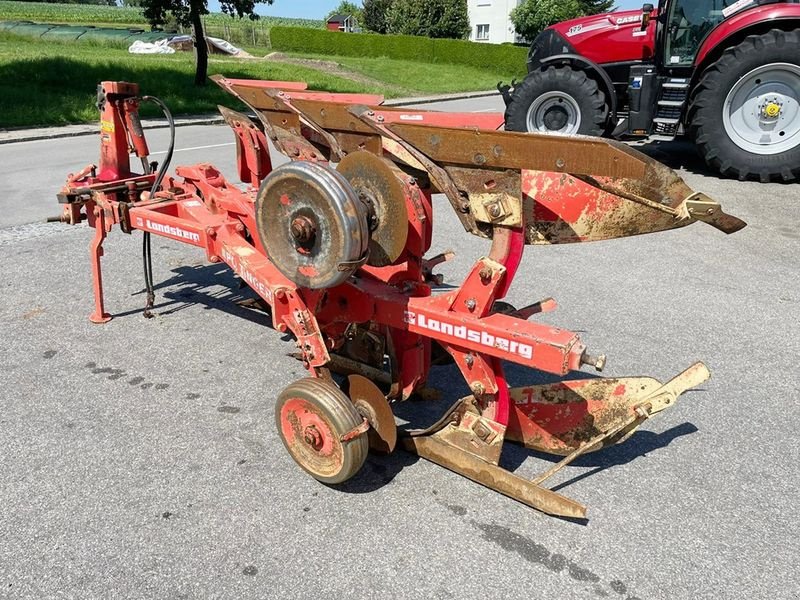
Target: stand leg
pixel 95 252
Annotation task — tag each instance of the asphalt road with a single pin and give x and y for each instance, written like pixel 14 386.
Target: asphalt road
pixel 140 459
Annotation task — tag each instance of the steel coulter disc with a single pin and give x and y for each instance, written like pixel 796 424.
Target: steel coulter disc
pixel 380 182
pixel 371 404
pixel 312 224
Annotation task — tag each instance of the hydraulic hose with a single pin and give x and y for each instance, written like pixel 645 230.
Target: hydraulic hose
pixel 147 255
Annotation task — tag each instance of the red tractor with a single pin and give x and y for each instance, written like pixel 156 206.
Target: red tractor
pixel 725 73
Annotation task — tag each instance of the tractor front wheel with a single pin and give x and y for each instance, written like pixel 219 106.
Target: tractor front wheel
pixel 557 100
pixel 744 113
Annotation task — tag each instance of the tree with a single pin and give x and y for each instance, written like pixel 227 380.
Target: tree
pixel 430 18
pixel 189 13
pixel 376 14
pixel 533 16
pixel 594 7
pixel 347 8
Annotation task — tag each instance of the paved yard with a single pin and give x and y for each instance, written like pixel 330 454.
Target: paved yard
pixel 140 459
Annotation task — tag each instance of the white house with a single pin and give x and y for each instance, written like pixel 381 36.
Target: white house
pixel 490 22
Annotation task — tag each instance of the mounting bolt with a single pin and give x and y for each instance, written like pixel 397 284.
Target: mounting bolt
pixel 477 388
pixel 470 304
pixel 312 437
pixel 469 360
pixel 481 431
pixel 214 259
pixel 211 232
pixel 560 163
pixel 494 210
pixel 240 228
pixel 485 274
pixel 280 294
pixel 598 362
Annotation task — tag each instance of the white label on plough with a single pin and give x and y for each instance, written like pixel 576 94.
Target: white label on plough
pixel 258 286
pixel 169 230
pixel 463 332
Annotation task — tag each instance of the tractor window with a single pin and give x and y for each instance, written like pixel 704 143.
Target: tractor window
pixel 688 22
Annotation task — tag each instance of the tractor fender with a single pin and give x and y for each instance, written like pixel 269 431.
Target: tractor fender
pixel 739 26
pixel 597 72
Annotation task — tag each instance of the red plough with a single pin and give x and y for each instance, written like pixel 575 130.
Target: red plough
pixel 335 243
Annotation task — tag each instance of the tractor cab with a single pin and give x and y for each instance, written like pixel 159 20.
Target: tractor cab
pixel 686 24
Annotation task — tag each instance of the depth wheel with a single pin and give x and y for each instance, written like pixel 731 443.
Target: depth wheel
pixel 312 415
pixel 558 100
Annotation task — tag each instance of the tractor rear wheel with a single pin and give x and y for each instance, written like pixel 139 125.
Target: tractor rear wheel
pixel 557 100
pixel 744 113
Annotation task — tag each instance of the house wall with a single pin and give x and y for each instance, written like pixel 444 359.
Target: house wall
pixel 493 13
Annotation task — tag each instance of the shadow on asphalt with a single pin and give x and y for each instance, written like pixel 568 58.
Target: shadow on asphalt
pixel 216 287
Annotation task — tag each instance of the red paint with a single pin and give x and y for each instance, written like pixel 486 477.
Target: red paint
pixel 755 16
pixel 278 85
pixel 198 206
pixel 488 121
pixel 308 271
pixel 603 39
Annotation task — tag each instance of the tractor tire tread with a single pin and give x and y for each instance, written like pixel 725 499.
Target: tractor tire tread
pixel 594 122
pixel 704 123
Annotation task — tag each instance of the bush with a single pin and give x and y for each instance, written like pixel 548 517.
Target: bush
pixel 494 57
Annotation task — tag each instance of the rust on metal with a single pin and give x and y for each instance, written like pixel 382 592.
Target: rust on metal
pixel 512 150
pixel 371 404
pixel 494 477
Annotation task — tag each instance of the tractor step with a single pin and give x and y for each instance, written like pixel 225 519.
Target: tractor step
pixel 670 103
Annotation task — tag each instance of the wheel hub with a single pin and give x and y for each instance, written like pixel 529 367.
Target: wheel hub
pixel 303 231
pixel 312 437
pixel 772 109
pixel 554 112
pixel 761 113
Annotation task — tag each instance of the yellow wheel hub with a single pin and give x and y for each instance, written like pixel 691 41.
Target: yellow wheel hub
pixel 772 110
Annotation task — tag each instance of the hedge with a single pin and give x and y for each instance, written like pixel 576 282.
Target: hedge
pixel 503 58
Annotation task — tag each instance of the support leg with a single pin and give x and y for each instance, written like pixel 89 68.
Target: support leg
pixel 95 253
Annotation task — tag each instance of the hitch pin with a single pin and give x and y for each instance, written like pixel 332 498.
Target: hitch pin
pixel 598 362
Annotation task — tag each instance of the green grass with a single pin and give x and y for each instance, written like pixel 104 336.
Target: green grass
pixel 416 77
pixel 91 14
pixel 54 83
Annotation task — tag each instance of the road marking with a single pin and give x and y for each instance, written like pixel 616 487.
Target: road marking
pixel 195 148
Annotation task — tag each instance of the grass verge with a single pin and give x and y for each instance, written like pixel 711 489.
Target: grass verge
pixel 54 83
pixel 416 77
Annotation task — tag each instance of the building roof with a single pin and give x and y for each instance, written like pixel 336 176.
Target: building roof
pixel 339 18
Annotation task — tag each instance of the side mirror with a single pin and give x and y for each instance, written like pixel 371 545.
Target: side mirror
pixel 646 10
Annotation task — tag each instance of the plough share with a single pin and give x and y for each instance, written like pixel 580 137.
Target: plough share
pixel 334 242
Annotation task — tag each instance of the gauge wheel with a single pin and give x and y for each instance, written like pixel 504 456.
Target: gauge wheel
pixel 558 100
pixel 744 114
pixel 312 415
